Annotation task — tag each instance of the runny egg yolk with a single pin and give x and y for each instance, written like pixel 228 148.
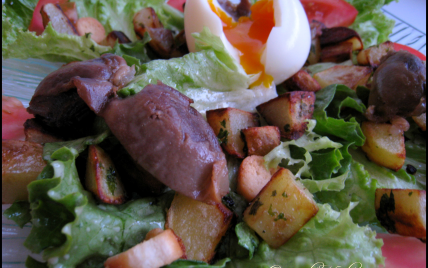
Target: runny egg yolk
pixel 249 36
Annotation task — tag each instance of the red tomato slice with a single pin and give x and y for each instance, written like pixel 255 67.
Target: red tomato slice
pixel 399 47
pixel 332 13
pixel 13 116
pixel 178 4
pixel 36 24
pixel 403 252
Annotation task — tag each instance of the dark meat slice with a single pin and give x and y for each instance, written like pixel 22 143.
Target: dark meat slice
pixel 398 89
pixel 170 140
pixel 58 105
pixel 243 9
pixel 34 132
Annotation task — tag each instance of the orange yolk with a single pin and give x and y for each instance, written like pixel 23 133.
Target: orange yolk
pixel 249 35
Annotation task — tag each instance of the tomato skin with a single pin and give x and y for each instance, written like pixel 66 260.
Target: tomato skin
pixel 36 24
pixel 403 252
pixel 13 117
pixel 333 13
pixel 178 4
pixel 398 47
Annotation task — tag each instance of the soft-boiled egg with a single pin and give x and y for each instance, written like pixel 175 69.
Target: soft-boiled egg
pixel 271 45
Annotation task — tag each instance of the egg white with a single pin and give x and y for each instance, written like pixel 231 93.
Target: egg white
pixel 286 49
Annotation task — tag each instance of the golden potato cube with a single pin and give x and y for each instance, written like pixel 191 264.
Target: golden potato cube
pixel 261 140
pixel 281 209
pixel 156 252
pixel 199 225
pixel 421 121
pixel 337 53
pixel 252 177
pixel 383 146
pixel 227 124
pixel 21 163
pixel 302 81
pixel 373 55
pixel 102 178
pixel 402 211
pixel 289 112
pixel 350 76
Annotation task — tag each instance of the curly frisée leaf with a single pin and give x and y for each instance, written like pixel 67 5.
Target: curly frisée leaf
pixel 70 228
pixel 330 238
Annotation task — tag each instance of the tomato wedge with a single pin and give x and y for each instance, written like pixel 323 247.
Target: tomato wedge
pixel 178 4
pixel 403 252
pixel 13 117
pixel 36 24
pixel 332 13
pixel 399 47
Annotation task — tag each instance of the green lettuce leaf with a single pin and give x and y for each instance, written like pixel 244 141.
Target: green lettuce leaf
pixel 70 228
pixel 211 77
pixel 197 264
pixel 364 178
pixel 372 24
pixel 330 238
pixel 247 238
pixel 331 122
pixel 19 212
pixel 317 160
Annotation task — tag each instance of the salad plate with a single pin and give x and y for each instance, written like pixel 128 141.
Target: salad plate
pixel 21 77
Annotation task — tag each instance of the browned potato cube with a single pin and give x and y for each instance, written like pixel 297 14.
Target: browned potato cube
pixel 402 211
pixel 383 146
pixel 156 252
pixel 144 19
pixel 351 76
pixel 21 163
pixel 289 112
pixel 102 178
pixel 372 55
pixel 92 26
pixel 261 140
pixel 338 35
pixel 199 225
pixel 60 22
pixel 115 37
pixel 252 177
pixel 302 81
pixel 227 124
pixel 70 11
pixel 281 209
pixel 421 121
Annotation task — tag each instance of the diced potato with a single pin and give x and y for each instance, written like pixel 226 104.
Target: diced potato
pixel 60 22
pixel 373 55
pixel 252 177
pixel 115 37
pixel 199 225
pixel 383 146
pixel 402 211
pixel 338 35
pixel 227 124
pixel 22 162
pixel 336 53
pixel 302 81
pixel 156 252
pixel 92 26
pixel 281 209
pixel 351 76
pixel 70 11
pixel 152 233
pixel 261 140
pixel 421 121
pixel 102 178
pixel 289 112
pixel 162 41
pixel 145 18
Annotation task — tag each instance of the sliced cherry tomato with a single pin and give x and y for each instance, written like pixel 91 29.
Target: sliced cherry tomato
pixel 13 117
pixel 403 252
pixel 178 4
pixel 332 13
pixel 36 24
pixel 399 47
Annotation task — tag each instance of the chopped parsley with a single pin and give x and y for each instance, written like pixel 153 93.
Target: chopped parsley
pixel 287 128
pixel 256 205
pixel 284 194
pixel 387 204
pixel 223 133
pixel 279 216
pixel 411 193
pixel 274 193
pixel 111 180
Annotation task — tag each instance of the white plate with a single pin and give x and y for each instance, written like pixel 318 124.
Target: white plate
pixel 21 77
